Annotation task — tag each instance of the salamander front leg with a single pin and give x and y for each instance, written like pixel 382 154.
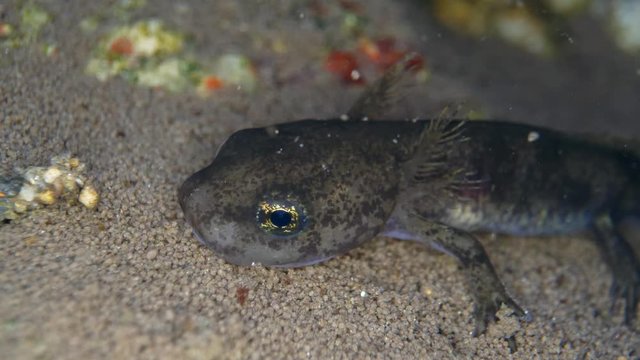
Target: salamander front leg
pixel 486 288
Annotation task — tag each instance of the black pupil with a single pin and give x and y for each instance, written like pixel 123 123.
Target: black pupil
pixel 280 218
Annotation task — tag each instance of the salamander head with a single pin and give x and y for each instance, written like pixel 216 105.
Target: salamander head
pixel 288 196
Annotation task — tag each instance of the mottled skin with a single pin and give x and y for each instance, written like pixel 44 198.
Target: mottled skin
pixel 434 182
pixel 348 189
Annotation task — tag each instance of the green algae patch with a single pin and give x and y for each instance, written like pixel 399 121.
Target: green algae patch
pixel 31 21
pixel 142 47
pixel 149 54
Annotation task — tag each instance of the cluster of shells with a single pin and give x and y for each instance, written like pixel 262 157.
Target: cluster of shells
pixel 45 185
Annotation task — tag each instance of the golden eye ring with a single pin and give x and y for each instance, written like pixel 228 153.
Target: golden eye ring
pixel 279 217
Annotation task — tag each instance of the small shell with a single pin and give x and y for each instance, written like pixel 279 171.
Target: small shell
pixel 74 162
pixel 69 183
pixel 7 209
pixel 51 174
pixel 28 192
pixel 80 180
pixel 34 175
pixel 47 197
pixel 20 206
pixel 89 197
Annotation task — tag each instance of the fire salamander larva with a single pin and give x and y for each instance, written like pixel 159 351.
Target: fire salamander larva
pixel 302 192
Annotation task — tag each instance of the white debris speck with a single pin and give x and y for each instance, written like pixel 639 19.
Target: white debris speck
pixel 533 136
pixel 296 139
pixel 279 151
pixel 365 118
pixel 301 145
pixel 355 75
pixel 363 294
pixel 344 117
pixel 395 141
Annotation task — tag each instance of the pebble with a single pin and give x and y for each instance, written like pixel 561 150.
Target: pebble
pixel 151 254
pixel 89 197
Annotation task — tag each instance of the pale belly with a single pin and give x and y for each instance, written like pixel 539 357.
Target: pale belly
pixel 471 217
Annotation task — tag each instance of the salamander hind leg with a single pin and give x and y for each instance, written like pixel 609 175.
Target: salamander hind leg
pixel 624 265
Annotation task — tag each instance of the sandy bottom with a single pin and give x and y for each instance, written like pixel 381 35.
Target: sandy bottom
pixel 128 280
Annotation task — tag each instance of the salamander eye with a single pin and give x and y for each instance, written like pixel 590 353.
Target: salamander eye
pixel 280 217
